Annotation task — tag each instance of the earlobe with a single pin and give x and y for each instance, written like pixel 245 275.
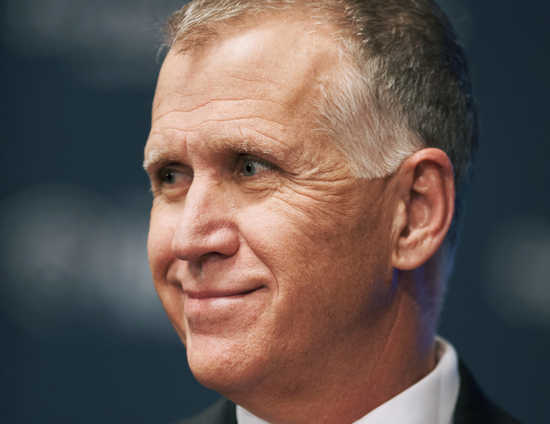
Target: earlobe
pixel 425 210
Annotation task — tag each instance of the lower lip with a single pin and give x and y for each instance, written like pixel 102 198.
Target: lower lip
pixel 206 312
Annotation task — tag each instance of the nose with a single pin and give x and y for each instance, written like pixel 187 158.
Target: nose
pixel 206 227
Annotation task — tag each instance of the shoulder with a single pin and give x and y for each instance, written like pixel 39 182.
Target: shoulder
pixel 221 412
pixel 474 407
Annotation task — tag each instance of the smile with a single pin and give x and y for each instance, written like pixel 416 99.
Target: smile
pixel 217 311
pixel 218 294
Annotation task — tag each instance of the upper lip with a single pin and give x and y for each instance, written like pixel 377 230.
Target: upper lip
pixel 213 293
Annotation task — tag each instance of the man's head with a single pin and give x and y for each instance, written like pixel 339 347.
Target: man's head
pixel 402 83
pixel 295 202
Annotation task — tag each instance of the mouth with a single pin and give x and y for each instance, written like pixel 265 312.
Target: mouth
pixel 218 311
pixel 217 294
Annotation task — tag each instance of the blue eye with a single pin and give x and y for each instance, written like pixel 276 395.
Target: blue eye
pixel 167 176
pixel 250 166
pixel 174 175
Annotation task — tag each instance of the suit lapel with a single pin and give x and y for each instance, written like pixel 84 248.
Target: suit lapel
pixel 473 407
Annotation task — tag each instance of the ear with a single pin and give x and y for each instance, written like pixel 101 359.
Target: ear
pixel 425 208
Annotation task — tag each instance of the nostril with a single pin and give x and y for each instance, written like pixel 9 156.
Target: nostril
pixel 197 266
pixel 202 243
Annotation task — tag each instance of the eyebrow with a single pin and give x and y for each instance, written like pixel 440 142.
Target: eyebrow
pixel 253 142
pixel 155 155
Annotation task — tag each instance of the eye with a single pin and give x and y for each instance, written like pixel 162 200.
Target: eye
pixel 168 176
pixel 172 176
pixel 250 166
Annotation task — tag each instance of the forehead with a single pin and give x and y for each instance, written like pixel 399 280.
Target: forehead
pixel 257 85
pixel 281 61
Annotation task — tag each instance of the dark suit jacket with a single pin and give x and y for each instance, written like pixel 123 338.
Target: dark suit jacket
pixel 472 407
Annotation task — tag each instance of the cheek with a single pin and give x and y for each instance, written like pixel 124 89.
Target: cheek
pixel 323 262
pixel 280 237
pixel 303 251
pixel 161 228
pixel 159 242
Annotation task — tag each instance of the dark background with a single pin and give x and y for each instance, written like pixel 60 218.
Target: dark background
pixel 83 335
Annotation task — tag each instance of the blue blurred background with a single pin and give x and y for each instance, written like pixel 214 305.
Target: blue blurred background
pixel 83 336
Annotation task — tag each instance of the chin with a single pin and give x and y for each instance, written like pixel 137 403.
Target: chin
pixel 224 366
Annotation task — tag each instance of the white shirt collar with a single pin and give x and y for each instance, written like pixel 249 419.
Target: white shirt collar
pixel 431 400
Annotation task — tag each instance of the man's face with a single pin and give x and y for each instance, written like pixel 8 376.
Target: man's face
pixel 269 257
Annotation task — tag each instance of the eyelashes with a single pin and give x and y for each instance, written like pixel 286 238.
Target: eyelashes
pixel 174 177
pixel 172 173
pixel 250 166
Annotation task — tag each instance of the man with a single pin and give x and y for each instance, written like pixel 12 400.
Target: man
pixel 303 157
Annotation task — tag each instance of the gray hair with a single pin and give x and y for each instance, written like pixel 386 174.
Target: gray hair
pixel 404 83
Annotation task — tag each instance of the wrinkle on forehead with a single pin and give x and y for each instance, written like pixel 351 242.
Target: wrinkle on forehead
pixel 224 109
pixel 262 79
pixel 282 60
pixel 171 144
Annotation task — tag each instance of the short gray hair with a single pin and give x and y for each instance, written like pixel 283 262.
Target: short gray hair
pixel 404 85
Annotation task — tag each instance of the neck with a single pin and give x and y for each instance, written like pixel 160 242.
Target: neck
pixel 379 365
